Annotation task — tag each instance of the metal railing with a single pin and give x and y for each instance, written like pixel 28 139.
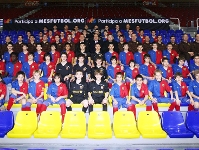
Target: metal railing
pixel 178 22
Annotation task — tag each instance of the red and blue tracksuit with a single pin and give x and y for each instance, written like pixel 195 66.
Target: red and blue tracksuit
pixel 55 56
pixel 108 56
pixel 23 88
pixel 171 56
pixel 35 89
pixel 193 67
pixel 139 58
pixel 46 69
pixel 12 70
pixel 2 67
pixel 184 71
pixel 140 94
pixel 147 70
pixel 129 73
pixel 156 56
pixel 56 91
pixel 111 71
pixel 39 58
pixel 6 57
pixel 3 91
pixel 29 69
pixel 23 57
pixel 194 88
pixel 125 58
pixel 167 74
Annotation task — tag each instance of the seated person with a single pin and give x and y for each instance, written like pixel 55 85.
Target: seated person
pixel 139 94
pixel 182 95
pixel 19 92
pixel 57 93
pixel 110 53
pixel 171 54
pixel 3 91
pixel 98 92
pixel 78 92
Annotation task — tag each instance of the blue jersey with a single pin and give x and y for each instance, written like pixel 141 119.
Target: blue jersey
pixel 139 93
pixel 6 57
pixel 35 89
pixel 108 56
pixel 193 67
pixel 119 91
pixel 194 87
pixel 139 58
pixel 181 89
pixel 57 91
pixel 23 57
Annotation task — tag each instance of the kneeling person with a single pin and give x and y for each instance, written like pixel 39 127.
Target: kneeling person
pixel 98 91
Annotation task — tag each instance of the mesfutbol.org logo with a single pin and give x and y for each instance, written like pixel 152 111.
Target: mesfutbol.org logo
pixel 91 20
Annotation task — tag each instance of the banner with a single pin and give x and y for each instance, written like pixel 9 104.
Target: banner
pixel 38 24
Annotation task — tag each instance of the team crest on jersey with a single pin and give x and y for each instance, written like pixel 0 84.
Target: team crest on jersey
pixel 102 87
pixel 0 90
pixel 50 66
pixel 42 55
pixel 81 87
pixel 17 66
pixel 169 71
pixel 69 54
pixel 33 66
pixel 184 68
pixel 183 87
pixel 135 71
pixel 122 88
pixel 172 54
pixel 84 68
pixel 162 84
pixel 118 68
pixel 142 91
pixel 67 67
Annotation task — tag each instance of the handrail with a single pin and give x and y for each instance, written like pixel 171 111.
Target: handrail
pixel 197 24
pixel 178 22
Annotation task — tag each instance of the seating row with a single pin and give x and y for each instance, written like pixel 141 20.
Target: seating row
pixel 99 125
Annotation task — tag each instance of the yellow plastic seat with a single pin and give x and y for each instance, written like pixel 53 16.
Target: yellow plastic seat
pixel 124 125
pixel 149 125
pixel 49 125
pixel 25 125
pixel 74 125
pixel 99 125
pixel 45 91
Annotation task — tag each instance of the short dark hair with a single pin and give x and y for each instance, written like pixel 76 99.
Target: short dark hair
pixel 178 74
pixel 163 59
pixel 147 56
pixel 57 75
pixel 20 73
pixel 47 54
pixel 138 76
pixel 14 53
pixel 81 55
pixel 31 53
pixel 181 58
pixel 113 57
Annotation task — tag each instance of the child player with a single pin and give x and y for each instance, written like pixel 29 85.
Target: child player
pixel 139 94
pixel 180 67
pixel 112 70
pixel 130 73
pixel 96 55
pixel 70 53
pixel 6 55
pixel 57 93
pixel 19 92
pixel 39 54
pixel 181 92
pixel 125 56
pixel 155 54
pixel 110 53
pixel 78 92
pixel 23 56
pixel 139 55
pixel 171 54
pixel 119 94
pixel 36 91
pixel 54 54
pixel 2 92
pixel 98 92
pixel 194 90
pixel 157 89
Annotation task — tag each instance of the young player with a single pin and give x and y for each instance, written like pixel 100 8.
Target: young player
pixel 155 54
pixel 181 92
pixel 6 55
pixel 157 89
pixel 147 69
pixel 70 53
pixel 119 94
pixel 110 53
pixel 187 77
pixel 139 56
pixel 130 73
pixel 139 94
pixel 125 56
pixel 29 67
pixel 83 67
pixel 3 91
pixel 12 68
pixel 167 71
pixel 65 69
pixel 2 67
pixel 23 56
pixel 87 58
pixel 19 92
pixel 54 54
pixel 47 68
pixel 99 66
pixel 96 55
pixel 195 65
pixel 39 54
pixel 57 93
pixel 112 70
pixel 98 92
pixel 36 91
pixel 194 88
pixel 78 92
pixel 171 54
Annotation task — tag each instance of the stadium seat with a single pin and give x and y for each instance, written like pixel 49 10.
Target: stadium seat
pixel 25 125
pixel 74 125
pixel 149 125
pixel 6 122
pixel 99 125
pixel 173 124
pixel 49 125
pixel 192 122
pixel 124 125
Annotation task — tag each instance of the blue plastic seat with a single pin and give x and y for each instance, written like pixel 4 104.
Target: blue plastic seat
pixel 173 124
pixel 6 122
pixel 192 122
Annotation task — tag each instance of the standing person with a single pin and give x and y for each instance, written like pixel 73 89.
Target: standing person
pixel 57 93
pixel 54 54
pixel 98 92
pixel 110 53
pixel 6 55
pixel 36 91
pixel 19 92
pixel 39 54
pixel 3 92
pixel 23 56
pixel 171 54
pixel 70 53
pixel 139 55
pixel 155 54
